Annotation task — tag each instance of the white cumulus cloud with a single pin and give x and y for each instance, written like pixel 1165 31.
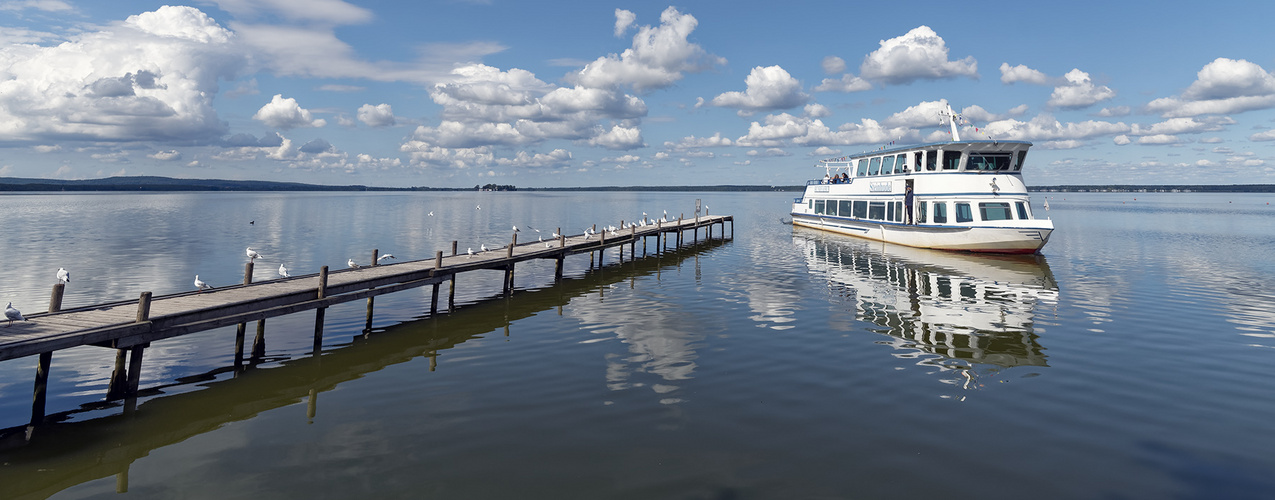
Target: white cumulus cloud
pixel 658 58
pixel 917 55
pixel 767 88
pixel 286 114
pixel 1224 86
pixel 623 19
pixel 1079 92
pixel 1021 73
pixel 381 115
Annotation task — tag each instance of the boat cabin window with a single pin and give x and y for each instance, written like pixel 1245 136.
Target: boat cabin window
pixel 889 212
pixel 811 206
pixel 819 207
pixel 988 162
pixel 876 210
pixel 1022 211
pixel 831 207
pixel 863 168
pixel 920 212
pixel 902 164
pixel 940 212
pixel 995 211
pixel 898 212
pixel 860 209
pixel 1022 156
pixel 875 166
pixel 963 213
pixel 887 165
pixel 951 160
pixel 843 208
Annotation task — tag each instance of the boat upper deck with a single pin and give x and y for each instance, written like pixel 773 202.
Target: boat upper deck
pixel 1004 157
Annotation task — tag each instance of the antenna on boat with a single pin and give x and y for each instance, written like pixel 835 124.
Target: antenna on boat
pixel 951 117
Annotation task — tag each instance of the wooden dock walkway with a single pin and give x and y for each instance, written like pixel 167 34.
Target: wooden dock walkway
pixel 130 326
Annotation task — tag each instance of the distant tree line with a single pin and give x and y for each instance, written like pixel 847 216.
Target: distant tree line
pixel 1159 188
pixel 495 187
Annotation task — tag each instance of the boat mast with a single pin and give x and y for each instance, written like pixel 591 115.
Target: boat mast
pixel 951 120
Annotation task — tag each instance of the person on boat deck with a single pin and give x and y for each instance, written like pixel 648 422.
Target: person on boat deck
pixel 826 180
pixel 845 178
pixel 907 206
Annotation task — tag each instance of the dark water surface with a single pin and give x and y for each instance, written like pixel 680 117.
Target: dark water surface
pixel 1133 359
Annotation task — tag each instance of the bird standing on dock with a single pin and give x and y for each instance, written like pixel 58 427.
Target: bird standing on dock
pixel 12 314
pixel 64 275
pixel 283 271
pixel 252 254
pixel 383 257
pixel 482 247
pixel 352 264
pixel 200 285
pixel 469 252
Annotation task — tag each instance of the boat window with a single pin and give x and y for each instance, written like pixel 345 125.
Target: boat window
pixel 940 212
pixel 844 208
pixel 1022 211
pixel 819 207
pixel 860 209
pixel 889 212
pixel 988 162
pixel 876 210
pixel 812 205
pixel 901 163
pixel 887 165
pixel 963 213
pixel 951 160
pixel 875 166
pixel 898 211
pixel 920 212
pixel 831 207
pixel 931 160
pixel 995 211
pixel 863 168
pixel 1022 156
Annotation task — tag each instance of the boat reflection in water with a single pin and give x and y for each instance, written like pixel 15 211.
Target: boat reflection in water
pixel 947 309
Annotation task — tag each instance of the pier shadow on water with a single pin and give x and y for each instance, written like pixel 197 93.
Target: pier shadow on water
pixel 39 462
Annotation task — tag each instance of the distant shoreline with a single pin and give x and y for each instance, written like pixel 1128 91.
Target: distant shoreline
pixel 156 183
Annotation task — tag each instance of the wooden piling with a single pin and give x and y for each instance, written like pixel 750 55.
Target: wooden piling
pixel 55 299
pixel 144 307
pixel 376 254
pixel 259 342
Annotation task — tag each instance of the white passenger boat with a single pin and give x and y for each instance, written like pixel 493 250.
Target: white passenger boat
pixel 967 195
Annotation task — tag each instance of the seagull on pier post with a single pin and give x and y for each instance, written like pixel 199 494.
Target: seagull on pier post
pixel 12 314
pixel 252 254
pixel 64 275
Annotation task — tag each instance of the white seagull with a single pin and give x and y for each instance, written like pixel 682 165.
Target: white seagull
pixel 352 264
pixel 470 252
pixel 383 257
pixel 12 314
pixel 431 213
pixel 482 247
pixel 556 235
pixel 516 229
pixel 200 285
pixel 283 271
pixel 64 275
pixel 478 207
pixel 252 254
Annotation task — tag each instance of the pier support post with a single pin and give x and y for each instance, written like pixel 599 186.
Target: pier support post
pixel 557 268
pixel 451 291
pixel 376 254
pixel 433 298
pixel 41 387
pixel 259 342
pixel 367 326
pixel 119 377
pixel 320 312
pixel 242 327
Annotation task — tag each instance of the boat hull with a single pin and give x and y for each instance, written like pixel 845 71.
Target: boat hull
pixel 988 239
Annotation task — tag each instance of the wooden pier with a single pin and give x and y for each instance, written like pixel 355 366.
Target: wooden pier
pixel 129 327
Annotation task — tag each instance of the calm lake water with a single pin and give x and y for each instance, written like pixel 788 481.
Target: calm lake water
pixel 1133 359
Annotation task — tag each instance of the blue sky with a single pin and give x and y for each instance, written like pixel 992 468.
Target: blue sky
pixel 582 93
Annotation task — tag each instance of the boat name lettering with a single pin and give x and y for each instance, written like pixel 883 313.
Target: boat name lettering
pixel 880 187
